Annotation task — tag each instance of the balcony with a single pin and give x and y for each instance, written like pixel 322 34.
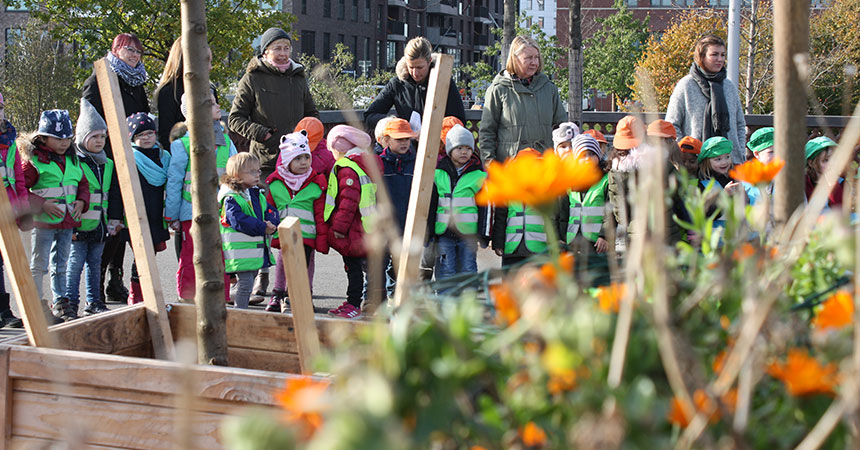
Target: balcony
pixel 437 36
pixel 441 7
pixel 396 31
pixel 399 3
pixel 482 14
pixel 481 41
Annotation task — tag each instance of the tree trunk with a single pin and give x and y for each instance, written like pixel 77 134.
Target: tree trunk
pixel 790 38
pixel 748 106
pixel 574 63
pixel 509 28
pixel 205 233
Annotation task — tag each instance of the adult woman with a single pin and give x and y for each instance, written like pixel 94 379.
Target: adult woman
pixel 124 58
pixel 705 104
pixel 407 90
pixel 522 105
pixel 271 98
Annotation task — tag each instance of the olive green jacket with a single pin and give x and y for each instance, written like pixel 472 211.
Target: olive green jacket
pixel 516 116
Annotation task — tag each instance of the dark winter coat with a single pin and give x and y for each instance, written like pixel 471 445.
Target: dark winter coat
pixel 134 100
pixel 483 212
pixel 268 101
pixel 346 218
pixel 153 199
pixel 319 244
pixel 397 171
pixel 168 102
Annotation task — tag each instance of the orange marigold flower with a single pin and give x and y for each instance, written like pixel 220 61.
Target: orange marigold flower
pixel 507 309
pixel 549 272
pixel 743 252
pixel 725 322
pixel 719 362
pixel 301 400
pixel 562 381
pixel 836 312
pixel 610 296
pixel 534 179
pixel 477 447
pixel 532 435
pixel 756 172
pixel 804 375
pixel 682 417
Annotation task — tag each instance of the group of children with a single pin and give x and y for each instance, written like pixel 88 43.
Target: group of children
pixel 69 190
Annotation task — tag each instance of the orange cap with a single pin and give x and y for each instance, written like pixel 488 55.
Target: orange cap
pixel 447 124
pixel 689 144
pixel 628 133
pixel 596 135
pixel 662 128
pixel 315 130
pixel 399 129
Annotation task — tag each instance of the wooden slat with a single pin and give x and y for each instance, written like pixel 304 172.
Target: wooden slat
pixel 108 333
pixel 299 289
pixel 6 399
pixel 23 286
pixel 422 182
pixel 28 443
pixel 135 213
pixel 246 358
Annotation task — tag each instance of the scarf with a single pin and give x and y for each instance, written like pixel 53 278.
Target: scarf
pixel 99 158
pixel 716 121
pixel 219 134
pixel 155 175
pixel 292 180
pixel 280 67
pixel 134 76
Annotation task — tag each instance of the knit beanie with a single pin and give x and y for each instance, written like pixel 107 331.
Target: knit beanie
pixel 293 145
pixel 138 123
pixel 343 138
pixel 565 132
pixel 448 123
pixel 272 35
pixel 458 136
pixel 89 123
pixel 585 143
pixel 55 123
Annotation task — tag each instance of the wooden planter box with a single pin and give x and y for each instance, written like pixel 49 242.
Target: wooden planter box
pixel 109 393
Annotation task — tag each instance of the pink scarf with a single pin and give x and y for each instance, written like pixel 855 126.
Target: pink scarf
pixel 281 67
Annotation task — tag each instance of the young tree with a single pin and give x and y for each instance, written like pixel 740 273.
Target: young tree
pixel 611 53
pixel 328 80
pixel 39 75
pixel 92 24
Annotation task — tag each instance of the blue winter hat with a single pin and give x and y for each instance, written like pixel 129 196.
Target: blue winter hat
pixel 55 123
pixel 138 123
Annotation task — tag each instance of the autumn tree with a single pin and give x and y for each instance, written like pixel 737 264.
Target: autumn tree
pixel 327 81
pixel 609 56
pixel 834 40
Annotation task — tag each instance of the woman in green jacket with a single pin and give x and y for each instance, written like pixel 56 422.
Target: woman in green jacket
pixel 522 105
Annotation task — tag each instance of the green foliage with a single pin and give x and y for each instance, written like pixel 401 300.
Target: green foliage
pixel 609 56
pixel 333 87
pixel 92 25
pixel 834 39
pixel 37 77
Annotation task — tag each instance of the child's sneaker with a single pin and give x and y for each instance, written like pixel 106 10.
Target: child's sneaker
pixel 64 310
pixel 285 305
pixel 346 311
pixel 275 301
pixel 95 308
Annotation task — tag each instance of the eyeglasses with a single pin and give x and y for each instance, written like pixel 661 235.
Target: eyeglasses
pixel 133 50
pixel 253 172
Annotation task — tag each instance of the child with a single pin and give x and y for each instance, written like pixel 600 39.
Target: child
pixel 690 148
pixel 177 204
pixel 88 240
pixel 604 144
pixel 581 214
pixel 628 151
pixel 247 224
pixel 518 232
pixel 663 134
pixel 455 219
pixel 818 153
pixel 59 190
pixel 761 144
pixel 447 124
pixel 16 189
pixel 152 163
pixel 349 210
pixel 296 189
pixel 378 132
pixel 562 136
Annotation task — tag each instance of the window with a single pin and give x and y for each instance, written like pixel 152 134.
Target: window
pixel 366 11
pixel 530 4
pixel 304 6
pixel 355 10
pixel 719 2
pixel 341 9
pixel 632 3
pixel 367 48
pixel 326 51
pixel 378 59
pixel 540 22
pixel 391 57
pixel 540 5
pixel 326 8
pixel 340 38
pixel 380 18
pixel 308 38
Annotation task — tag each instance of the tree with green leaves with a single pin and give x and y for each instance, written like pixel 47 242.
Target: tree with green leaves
pixel 92 25
pixel 332 83
pixel 611 53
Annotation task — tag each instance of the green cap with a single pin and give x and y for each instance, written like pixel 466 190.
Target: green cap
pixel 761 139
pixel 715 146
pixel 815 146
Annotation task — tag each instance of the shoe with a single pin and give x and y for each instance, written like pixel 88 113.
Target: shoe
pixel 95 308
pixel 346 311
pixel 9 320
pixel 285 305
pixel 63 310
pixel 261 285
pixel 115 291
pixel 275 302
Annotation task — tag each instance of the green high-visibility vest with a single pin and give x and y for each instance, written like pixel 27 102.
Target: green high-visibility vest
pixel 461 200
pixel 56 184
pixel 301 205
pixel 524 223
pixel 367 200
pixel 7 166
pixel 586 214
pixel 243 253
pixel 222 154
pixel 98 196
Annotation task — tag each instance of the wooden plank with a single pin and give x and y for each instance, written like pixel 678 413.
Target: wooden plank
pixel 422 182
pixel 6 401
pixel 246 358
pixel 109 332
pixel 23 286
pixel 138 225
pixel 28 443
pixel 299 289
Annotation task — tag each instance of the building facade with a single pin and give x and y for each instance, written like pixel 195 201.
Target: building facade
pixel 541 13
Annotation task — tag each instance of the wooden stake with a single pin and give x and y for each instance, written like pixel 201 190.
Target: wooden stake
pixel 299 289
pixel 422 181
pixel 29 304
pixel 135 213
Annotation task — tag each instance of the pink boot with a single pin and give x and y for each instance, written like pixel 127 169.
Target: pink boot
pixel 136 295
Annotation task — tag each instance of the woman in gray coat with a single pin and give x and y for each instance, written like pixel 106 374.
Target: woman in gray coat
pixel 522 105
pixel 705 104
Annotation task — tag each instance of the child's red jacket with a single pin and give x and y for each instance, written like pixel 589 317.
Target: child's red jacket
pixel 346 218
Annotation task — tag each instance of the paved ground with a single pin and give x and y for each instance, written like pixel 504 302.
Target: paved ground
pixel 329 286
